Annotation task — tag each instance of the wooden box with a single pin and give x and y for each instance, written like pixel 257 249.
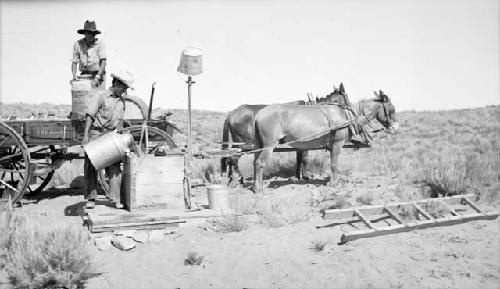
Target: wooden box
pixel 153 182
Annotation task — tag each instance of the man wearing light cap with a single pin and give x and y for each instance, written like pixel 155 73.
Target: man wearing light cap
pixel 89 53
pixel 104 117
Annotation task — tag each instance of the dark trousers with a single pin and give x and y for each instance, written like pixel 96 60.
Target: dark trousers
pixel 113 174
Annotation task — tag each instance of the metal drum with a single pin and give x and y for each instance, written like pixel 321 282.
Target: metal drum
pixel 108 149
pixel 190 63
pixel 82 97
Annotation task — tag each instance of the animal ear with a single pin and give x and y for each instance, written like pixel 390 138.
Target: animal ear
pixel 334 88
pixel 376 94
pixel 341 87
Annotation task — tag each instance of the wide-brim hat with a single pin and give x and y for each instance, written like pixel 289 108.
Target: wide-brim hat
pixel 89 26
pixel 124 76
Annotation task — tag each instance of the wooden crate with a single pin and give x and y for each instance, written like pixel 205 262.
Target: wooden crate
pixel 153 182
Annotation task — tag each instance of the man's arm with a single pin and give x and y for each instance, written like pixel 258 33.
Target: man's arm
pixel 73 70
pixel 75 59
pixel 88 123
pixel 102 67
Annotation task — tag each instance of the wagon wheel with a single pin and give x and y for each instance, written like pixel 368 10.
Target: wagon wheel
pixel 44 170
pixel 135 107
pixel 14 155
pixel 158 139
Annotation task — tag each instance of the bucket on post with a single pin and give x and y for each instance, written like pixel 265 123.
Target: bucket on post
pixel 108 149
pixel 191 60
pixel 218 198
pixel 82 96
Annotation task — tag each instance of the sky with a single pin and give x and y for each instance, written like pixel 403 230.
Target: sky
pixel 426 55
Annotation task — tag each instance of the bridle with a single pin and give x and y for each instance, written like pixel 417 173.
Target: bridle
pixel 368 120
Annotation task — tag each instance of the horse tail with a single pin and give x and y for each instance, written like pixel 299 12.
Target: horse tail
pixel 224 162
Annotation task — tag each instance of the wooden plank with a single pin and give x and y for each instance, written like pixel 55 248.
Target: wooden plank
pixel 337 213
pixel 100 229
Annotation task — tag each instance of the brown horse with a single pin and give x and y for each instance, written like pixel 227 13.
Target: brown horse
pixel 239 126
pixel 314 126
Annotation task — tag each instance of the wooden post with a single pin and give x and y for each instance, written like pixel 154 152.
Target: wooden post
pixel 189 156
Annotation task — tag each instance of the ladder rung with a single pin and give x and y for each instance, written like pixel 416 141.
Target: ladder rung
pixel 421 211
pixel 393 215
pixel 472 205
pixel 363 218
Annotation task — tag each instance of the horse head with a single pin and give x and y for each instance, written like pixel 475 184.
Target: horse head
pixel 384 111
pixel 338 95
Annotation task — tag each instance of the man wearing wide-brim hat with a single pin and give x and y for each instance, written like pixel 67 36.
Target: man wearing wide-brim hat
pixel 89 53
pixel 104 117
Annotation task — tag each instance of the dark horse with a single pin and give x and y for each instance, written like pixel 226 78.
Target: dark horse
pixel 239 126
pixel 313 126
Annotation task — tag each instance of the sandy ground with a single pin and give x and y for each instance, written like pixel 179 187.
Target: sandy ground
pixel 460 256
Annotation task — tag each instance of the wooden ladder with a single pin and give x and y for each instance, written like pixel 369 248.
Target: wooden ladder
pixel 407 216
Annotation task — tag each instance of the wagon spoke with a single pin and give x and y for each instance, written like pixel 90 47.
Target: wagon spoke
pixel 14 159
pixel 5 140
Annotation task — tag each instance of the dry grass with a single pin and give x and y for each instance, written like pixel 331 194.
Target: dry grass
pixel 365 199
pixel 36 255
pixel 318 245
pixel 193 258
pixel 228 224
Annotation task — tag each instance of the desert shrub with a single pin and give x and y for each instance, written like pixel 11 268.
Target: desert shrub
pixel 407 212
pixel 365 199
pixel 228 224
pixel 434 209
pixel 193 258
pixel 337 202
pixel 318 245
pixel 44 256
pixel 280 210
pixel 446 176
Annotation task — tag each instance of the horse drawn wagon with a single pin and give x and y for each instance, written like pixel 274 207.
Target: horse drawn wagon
pixel 31 150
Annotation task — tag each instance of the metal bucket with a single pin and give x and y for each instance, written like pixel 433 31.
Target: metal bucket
pixel 108 149
pixel 218 198
pixel 82 98
pixel 191 60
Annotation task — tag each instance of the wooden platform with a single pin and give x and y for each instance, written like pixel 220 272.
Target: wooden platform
pixel 106 219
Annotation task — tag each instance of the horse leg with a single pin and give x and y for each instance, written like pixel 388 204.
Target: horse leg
pixel 301 169
pixel 236 168
pixel 258 165
pixel 304 165
pixel 335 150
pixel 298 172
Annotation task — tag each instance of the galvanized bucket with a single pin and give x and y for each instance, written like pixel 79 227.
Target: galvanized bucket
pixel 108 149
pixel 218 198
pixel 191 61
pixel 82 98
